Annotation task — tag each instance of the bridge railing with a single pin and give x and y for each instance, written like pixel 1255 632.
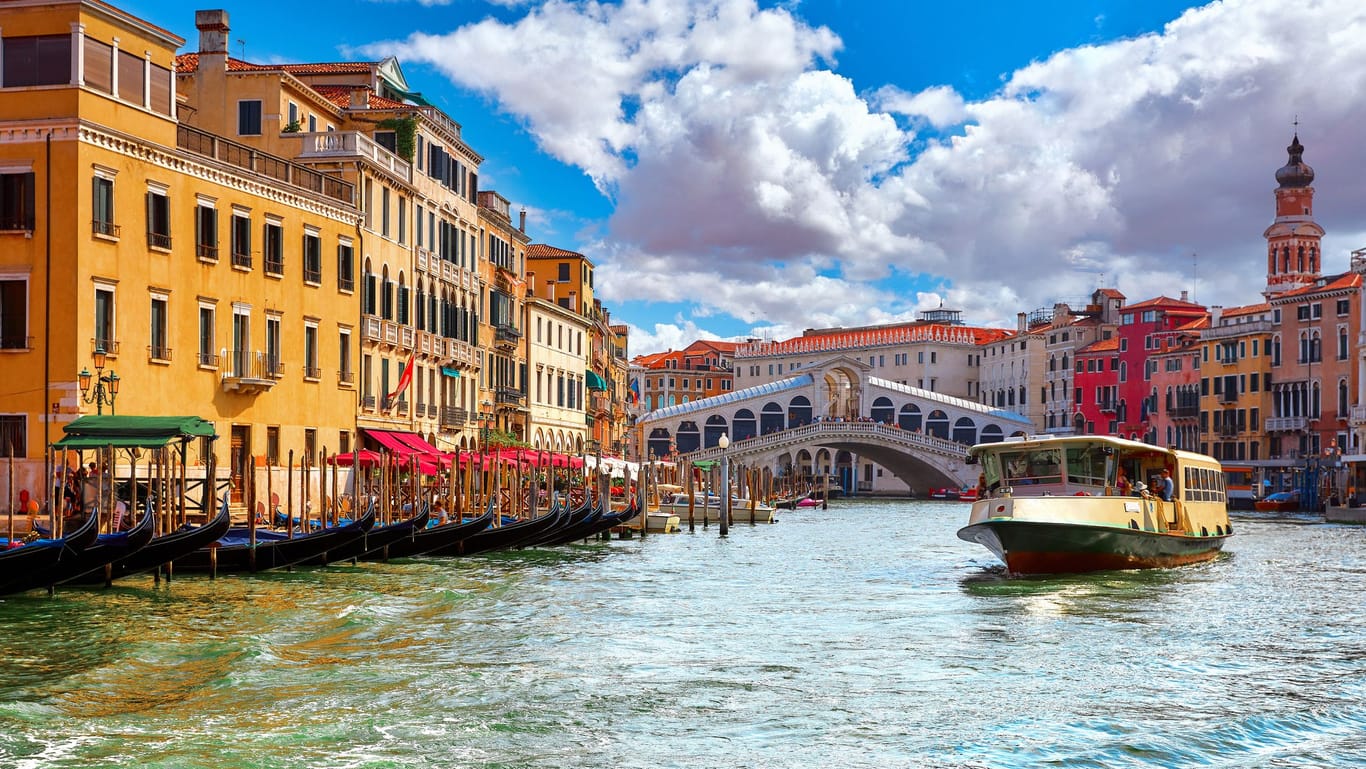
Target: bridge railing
pixel 842 429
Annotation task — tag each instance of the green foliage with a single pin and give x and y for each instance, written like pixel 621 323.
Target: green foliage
pixel 292 127
pixel 501 439
pixel 405 134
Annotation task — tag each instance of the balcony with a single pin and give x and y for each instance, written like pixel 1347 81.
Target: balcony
pixel 339 145
pixel 346 377
pixel 1228 431
pixel 1184 412
pixel 159 240
pixel 1108 405
pixel 16 342
pixel 206 252
pixel 241 156
pixel 506 336
pixel 1228 397
pixel 509 395
pixel 1287 424
pixel 111 347
pixel 1358 416
pixel 241 259
pixel 453 417
pixel 101 227
pixel 159 353
pixel 1236 329
pixel 368 403
pixel 250 371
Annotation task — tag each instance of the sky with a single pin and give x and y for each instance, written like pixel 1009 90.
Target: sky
pixel 741 169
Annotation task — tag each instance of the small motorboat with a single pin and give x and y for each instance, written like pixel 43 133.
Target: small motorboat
pixel 1279 502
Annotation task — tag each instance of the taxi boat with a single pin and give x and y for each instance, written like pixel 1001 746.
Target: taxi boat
pixel 1061 505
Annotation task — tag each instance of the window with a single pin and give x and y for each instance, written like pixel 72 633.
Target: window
pixel 99 65
pixel 13 434
pixel 273 260
pixel 346 280
pixel 132 76
pixel 273 445
pixel 158 219
pixel 311 370
pixel 344 374
pixel 241 240
pixel 313 257
pixel 402 220
pixel 158 349
pixel 275 365
pixel 102 207
pixel 207 356
pixel 13 315
pixel 206 231
pixel 37 60
pixel 16 201
pixel 249 117
pixel 563 275
pixel 384 212
pixel 241 342
pixel 104 320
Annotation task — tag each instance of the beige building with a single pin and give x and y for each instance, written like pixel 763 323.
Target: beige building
pixel 557 341
pixel 1008 368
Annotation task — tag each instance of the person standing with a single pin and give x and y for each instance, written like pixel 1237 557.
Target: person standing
pixel 1168 488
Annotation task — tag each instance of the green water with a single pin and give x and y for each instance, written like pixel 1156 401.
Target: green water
pixel 866 635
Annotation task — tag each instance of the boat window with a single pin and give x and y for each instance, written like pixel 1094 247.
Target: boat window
pixel 991 468
pixel 1086 464
pixel 1036 466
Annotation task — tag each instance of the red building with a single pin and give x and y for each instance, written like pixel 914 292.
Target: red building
pixel 1145 328
pixel 1097 388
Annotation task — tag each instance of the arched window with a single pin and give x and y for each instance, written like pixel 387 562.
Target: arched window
pixel 716 427
pixel 1342 398
pixel 909 418
pixel 991 434
pixel 882 410
pixel 744 425
pixel 937 424
pixel 689 438
pixel 771 418
pixel 964 431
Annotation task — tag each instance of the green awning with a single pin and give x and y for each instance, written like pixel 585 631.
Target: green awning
pixel 132 432
pixel 595 382
pixel 450 372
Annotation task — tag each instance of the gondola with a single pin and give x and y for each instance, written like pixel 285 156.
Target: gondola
pixel 509 536
pixel 233 552
pixel 599 523
pixel 17 563
pixel 162 550
pixel 582 516
pixel 376 539
pixel 432 538
pixel 106 549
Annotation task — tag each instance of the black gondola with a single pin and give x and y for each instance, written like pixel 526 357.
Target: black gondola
pixel 163 550
pixel 274 549
pixel 508 536
pixel 17 563
pixel 106 549
pixel 584 514
pixel 376 539
pixel 600 523
pixel 433 538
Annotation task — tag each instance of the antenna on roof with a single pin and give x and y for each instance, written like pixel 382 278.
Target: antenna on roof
pixel 242 45
pixel 1195 273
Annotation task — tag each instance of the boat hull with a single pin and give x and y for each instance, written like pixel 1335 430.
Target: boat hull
pixel 1037 547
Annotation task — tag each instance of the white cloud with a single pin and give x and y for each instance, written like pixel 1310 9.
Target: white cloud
pixel 752 180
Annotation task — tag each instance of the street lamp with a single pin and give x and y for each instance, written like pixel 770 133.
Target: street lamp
pixel 723 513
pixel 106 386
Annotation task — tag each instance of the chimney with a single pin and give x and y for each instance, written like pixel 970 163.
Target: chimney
pixel 360 98
pixel 1184 294
pixel 521 225
pixel 1215 313
pixel 1020 324
pixel 213 39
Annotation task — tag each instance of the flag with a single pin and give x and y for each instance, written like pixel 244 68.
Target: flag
pixel 404 379
pixel 635 391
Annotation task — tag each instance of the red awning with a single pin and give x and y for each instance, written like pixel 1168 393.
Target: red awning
pixel 393 441
pixel 418 443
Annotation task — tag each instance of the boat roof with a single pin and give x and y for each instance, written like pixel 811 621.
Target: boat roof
pixel 1121 444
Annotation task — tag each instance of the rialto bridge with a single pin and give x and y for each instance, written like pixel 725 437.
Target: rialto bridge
pixel 836 419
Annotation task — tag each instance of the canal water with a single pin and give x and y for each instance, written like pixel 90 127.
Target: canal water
pixel 866 635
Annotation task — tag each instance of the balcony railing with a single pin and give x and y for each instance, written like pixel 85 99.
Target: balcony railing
pixel 346 376
pixel 208 359
pixel 101 227
pixel 319 145
pixel 240 259
pixel 248 158
pixel 1286 424
pixel 312 372
pixel 207 252
pixel 1358 415
pixel 14 222
pixel 313 275
pixel 16 342
pixel 1183 412
pixel 368 402
pixel 111 347
pixel 508 395
pixel 274 264
pixel 158 352
pixel 250 371
pixel 1228 397
pixel 453 417
pixel 159 239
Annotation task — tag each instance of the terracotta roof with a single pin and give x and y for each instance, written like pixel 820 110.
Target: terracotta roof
pixel 1165 302
pixel 1195 324
pixel 1101 345
pixel 713 344
pixel 189 62
pixel 1247 309
pixel 542 251
pixel 340 95
pixel 1330 283
pixel 1112 292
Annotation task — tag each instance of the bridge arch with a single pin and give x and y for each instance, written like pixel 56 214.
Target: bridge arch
pixel 965 431
pixel 744 425
pixel 937 424
pixel 910 418
pixel 716 427
pixel 771 418
pixel 689 438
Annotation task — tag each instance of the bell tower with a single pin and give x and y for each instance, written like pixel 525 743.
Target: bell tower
pixel 1293 259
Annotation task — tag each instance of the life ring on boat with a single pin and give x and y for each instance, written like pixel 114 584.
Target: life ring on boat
pixel 1082 494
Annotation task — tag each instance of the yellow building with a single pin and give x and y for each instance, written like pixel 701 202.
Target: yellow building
pixel 417 238
pixel 216 280
pixel 1235 378
pixel 503 247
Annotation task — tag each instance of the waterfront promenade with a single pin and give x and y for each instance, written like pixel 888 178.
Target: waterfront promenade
pixel 866 635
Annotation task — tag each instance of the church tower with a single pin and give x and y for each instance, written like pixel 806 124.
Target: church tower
pixel 1293 258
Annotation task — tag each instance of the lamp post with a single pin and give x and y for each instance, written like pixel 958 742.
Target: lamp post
pixel 723 512
pixel 106 386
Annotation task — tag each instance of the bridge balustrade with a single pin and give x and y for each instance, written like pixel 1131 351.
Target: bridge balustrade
pixel 814 430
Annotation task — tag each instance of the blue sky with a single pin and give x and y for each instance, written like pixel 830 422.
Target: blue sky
pixel 753 169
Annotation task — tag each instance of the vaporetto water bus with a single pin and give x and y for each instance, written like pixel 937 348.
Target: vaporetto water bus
pixel 1067 504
